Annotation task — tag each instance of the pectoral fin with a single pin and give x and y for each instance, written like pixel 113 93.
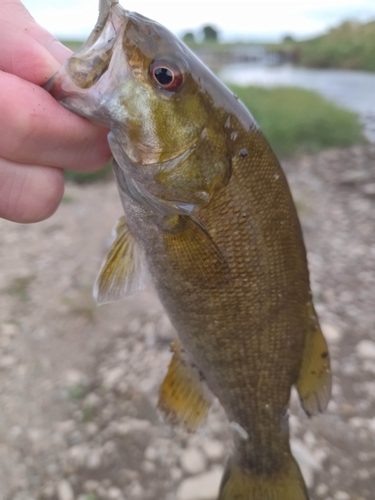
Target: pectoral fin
pixel 315 378
pixel 123 271
pixel 184 398
pixel 193 253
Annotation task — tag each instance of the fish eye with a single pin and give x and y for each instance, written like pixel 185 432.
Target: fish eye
pixel 166 75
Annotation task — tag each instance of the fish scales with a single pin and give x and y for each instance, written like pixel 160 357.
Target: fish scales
pixel 209 215
pixel 255 324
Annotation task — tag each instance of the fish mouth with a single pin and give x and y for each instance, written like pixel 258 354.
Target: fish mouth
pixel 79 84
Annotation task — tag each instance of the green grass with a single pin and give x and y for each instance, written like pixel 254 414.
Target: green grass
pixel 77 392
pixel 300 121
pixel 89 177
pixel 20 288
pixel 89 496
pixel 72 44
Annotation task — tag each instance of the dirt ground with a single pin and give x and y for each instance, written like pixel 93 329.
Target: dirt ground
pixel 78 383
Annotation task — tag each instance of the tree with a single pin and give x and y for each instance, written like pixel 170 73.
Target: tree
pixel 288 39
pixel 189 38
pixel 210 34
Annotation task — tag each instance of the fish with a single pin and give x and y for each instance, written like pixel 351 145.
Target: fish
pixel 210 220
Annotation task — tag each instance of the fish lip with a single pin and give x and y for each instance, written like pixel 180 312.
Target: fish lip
pixel 63 85
pixel 49 83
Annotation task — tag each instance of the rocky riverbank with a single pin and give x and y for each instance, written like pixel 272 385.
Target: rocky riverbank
pixel 78 383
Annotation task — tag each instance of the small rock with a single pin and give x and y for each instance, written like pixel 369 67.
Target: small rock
pixel 64 491
pixel 114 494
pixel 48 491
pixel 92 400
pixel 35 434
pixel 130 426
pixel 151 454
pixel 193 461
pixel 165 330
pixel 9 329
pixel 309 439
pixel 106 483
pixel 77 455
pixel 322 490
pixel 90 485
pixel 369 366
pixel 111 377
pixel 213 449
pixel 363 474
pixel 357 422
pixel 15 431
pixel 203 487
pixel 308 475
pixel 110 447
pixel 366 349
pixel 331 333
pixel 369 189
pixel 175 473
pixel 92 429
pixel 7 361
pixel 128 475
pixel 74 378
pixel 148 331
pixel 149 467
pixel 341 495
pixel 303 455
pixel 66 427
pixel 94 460
pixel 135 491
pixel 134 325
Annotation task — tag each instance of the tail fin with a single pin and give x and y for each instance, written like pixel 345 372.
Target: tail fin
pixel 242 484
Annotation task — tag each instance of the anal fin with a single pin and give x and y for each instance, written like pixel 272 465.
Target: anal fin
pixel 184 398
pixel 315 379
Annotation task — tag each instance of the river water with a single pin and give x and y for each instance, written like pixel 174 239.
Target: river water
pixel 354 90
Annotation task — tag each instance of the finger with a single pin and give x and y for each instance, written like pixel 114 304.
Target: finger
pixel 27 50
pixel 23 56
pixel 29 193
pixel 35 129
pixel 49 42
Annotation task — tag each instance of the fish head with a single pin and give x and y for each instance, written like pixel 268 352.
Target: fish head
pixel 160 102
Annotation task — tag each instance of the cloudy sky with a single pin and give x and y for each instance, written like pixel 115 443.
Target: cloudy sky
pixel 261 19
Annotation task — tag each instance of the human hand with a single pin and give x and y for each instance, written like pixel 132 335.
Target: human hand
pixel 38 137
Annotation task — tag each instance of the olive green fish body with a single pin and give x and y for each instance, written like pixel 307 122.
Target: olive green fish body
pixel 209 213
pixel 246 333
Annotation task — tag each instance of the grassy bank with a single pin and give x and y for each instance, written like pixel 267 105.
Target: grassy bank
pixel 348 46
pixel 296 120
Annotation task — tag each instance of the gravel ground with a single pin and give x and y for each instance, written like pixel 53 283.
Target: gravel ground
pixel 78 383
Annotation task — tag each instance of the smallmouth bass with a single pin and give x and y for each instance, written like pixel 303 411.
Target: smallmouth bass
pixel 209 216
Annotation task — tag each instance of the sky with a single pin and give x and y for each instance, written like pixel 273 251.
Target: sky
pixel 235 20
